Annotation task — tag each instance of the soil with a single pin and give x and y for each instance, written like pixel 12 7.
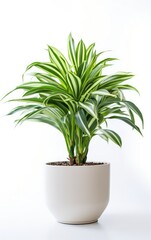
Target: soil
pixel 67 163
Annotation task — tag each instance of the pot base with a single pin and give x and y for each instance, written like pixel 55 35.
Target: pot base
pixel 78 222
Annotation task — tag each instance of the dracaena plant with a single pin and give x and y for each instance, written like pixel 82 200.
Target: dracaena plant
pixel 74 96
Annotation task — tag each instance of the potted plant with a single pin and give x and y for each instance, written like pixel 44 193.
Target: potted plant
pixel 76 98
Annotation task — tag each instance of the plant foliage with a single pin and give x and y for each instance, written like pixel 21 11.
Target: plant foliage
pixel 75 97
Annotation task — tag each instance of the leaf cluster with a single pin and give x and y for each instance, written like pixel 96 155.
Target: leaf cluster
pixel 75 97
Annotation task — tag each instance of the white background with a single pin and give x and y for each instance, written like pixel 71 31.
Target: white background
pixel 26 27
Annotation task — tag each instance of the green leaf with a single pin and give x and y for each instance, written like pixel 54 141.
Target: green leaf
pixel 45 78
pixel 27 100
pixel 135 109
pixel 111 81
pixel 128 121
pixel 49 68
pixel 112 110
pixel 81 69
pixel 110 102
pixel 109 134
pixel 127 87
pixel 89 52
pixel 23 108
pixel 99 66
pixel 103 92
pixel 74 83
pixel 104 61
pixel 81 121
pixel 92 124
pixel 96 71
pixel 89 67
pixel 132 116
pixel 44 119
pixel 55 57
pixel 80 53
pixel 90 108
pixel 28 115
pixel 49 89
pixel 71 51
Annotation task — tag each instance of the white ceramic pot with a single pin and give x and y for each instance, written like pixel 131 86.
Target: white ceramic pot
pixel 77 194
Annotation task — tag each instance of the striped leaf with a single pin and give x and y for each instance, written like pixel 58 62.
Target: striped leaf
pixel 49 68
pixel 89 52
pixel 36 84
pixel 23 108
pixel 80 53
pixel 131 116
pixel 44 119
pixel 28 115
pixel 111 81
pixel 92 87
pixel 39 100
pixel 42 89
pixel 46 78
pixel 110 102
pixel 128 121
pixel 107 82
pixel 81 122
pixel 103 92
pixel 71 51
pixel 135 109
pixel 96 71
pixel 109 134
pixel 81 69
pixel 99 66
pixel 104 61
pixel 38 87
pixel 74 83
pixel 89 68
pixel 90 108
pixel 92 124
pixel 57 57
pixel 57 112
pixel 107 111
pixel 127 87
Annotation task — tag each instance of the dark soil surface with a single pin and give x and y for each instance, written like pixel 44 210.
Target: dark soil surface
pixel 67 163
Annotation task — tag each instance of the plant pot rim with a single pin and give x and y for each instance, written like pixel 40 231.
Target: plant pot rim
pixel 103 164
